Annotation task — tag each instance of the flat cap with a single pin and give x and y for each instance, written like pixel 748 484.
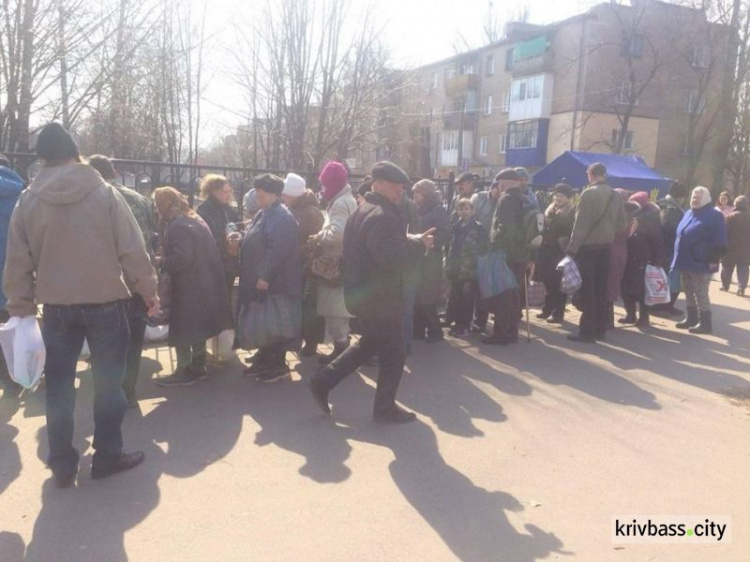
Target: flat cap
pixel 270 183
pixel 388 171
pixel 508 174
pixel 563 188
pixel 466 176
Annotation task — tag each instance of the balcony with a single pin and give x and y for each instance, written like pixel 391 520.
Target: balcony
pixel 461 85
pixel 534 65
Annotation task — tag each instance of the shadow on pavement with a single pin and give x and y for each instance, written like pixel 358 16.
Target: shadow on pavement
pixel 10 457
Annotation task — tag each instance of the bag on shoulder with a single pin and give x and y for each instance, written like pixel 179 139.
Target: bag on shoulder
pixel 326 269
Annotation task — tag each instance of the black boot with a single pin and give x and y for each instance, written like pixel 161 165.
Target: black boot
pixel 644 318
pixel 704 327
pixel 629 317
pixel 690 320
pixel 338 349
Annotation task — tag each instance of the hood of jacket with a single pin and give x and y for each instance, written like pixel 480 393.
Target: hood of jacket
pixel 63 185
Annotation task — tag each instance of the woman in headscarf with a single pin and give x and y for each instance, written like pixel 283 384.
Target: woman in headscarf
pixel 432 214
pixel 199 300
pixel 701 241
pixel 645 247
pixel 336 195
pixel 725 204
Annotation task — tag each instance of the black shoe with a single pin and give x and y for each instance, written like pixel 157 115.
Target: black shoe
pixel 627 320
pixel 581 339
pixel 724 289
pixel 690 320
pixel 132 403
pixel 740 292
pixel 643 323
pixel 182 377
pixel 274 374
pixel 309 349
pixel 124 462
pixel 199 372
pixel 704 326
pixel 63 481
pixel 543 315
pixel 338 349
pixel 320 394
pixel 556 320
pixel 396 415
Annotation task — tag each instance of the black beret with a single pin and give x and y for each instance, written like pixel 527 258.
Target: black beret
pixel 55 143
pixel 466 176
pixel 388 171
pixel 270 183
pixel 563 188
pixel 508 174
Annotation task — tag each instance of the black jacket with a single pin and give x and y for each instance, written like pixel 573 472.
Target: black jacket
pixel 199 302
pixel 376 252
pixel 217 216
pixel 508 232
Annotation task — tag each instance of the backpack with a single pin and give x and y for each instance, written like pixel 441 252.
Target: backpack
pixel 533 225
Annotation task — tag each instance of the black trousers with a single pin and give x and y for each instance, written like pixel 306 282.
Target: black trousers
pixel 505 310
pixel 632 302
pixel 426 319
pixel 555 300
pixel 593 264
pixel 519 270
pixel 462 301
pixel 381 336
pixel 5 379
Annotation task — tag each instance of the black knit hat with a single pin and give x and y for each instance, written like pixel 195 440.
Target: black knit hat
pixel 55 143
pixel 563 188
pixel 270 183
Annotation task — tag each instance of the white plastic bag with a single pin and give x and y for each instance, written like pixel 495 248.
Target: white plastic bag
pixel 221 345
pixel 571 277
pixel 657 286
pixel 23 347
pixel 156 333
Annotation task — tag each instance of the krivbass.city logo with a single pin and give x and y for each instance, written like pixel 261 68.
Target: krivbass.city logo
pixel 685 529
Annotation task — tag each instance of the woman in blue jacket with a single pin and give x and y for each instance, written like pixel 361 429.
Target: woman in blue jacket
pixel 270 270
pixel 701 241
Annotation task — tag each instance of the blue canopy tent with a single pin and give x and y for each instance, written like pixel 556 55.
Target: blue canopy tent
pixel 623 170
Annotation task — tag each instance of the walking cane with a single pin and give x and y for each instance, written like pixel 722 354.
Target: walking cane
pixel 526 294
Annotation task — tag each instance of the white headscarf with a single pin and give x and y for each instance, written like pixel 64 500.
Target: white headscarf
pixel 705 197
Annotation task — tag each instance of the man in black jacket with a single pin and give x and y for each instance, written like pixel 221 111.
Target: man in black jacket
pixel 376 252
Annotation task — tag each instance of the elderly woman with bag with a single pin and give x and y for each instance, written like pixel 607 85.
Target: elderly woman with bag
pixel 337 196
pixel 645 247
pixel 199 306
pixel 269 297
pixel 701 241
pixel 558 225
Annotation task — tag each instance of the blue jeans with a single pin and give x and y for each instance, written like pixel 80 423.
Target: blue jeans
pixel 105 327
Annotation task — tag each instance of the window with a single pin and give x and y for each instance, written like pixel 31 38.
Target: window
pixel 632 45
pixel 450 140
pixel 505 108
pixel 502 143
pixel 450 72
pixel 467 67
pixel 701 56
pixel 625 94
pixel 483 141
pixel 527 88
pixel 488 105
pixel 434 82
pixel 509 60
pixel 523 134
pixel 695 104
pixel 490 65
pixel 627 141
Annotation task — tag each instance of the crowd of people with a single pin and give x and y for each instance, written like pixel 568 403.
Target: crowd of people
pixel 392 261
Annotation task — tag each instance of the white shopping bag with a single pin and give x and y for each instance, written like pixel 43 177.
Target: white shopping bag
pixel 23 347
pixel 657 286
pixel 221 346
pixel 156 333
pixel 571 277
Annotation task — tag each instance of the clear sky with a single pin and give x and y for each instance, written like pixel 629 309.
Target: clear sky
pixel 416 31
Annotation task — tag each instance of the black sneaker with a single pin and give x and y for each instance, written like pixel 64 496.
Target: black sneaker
pixel 396 415
pixel 274 374
pixel 199 373
pixel 581 339
pixel 124 462
pixel 183 377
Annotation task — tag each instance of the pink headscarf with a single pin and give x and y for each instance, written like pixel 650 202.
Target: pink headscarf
pixel 641 198
pixel 333 177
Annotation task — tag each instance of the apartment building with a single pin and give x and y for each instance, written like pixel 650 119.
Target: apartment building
pixel 642 78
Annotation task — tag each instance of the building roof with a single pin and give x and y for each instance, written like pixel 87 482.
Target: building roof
pixel 623 170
